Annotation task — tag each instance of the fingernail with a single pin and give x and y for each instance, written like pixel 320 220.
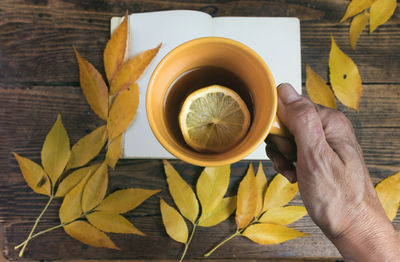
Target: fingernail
pixel 287 94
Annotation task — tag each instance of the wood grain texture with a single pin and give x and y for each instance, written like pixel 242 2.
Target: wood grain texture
pixel 39 78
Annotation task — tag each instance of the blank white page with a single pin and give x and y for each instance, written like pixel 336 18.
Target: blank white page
pixel 276 40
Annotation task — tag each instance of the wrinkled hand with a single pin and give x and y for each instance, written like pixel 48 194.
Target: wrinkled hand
pixel 333 180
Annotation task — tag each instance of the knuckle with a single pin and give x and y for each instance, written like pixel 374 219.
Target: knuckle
pixel 340 122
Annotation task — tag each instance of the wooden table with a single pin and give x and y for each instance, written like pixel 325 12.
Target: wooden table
pixel 39 78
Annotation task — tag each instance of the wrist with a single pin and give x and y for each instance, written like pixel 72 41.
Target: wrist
pixel 370 237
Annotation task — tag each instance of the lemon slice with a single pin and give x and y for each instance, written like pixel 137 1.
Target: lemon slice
pixel 213 119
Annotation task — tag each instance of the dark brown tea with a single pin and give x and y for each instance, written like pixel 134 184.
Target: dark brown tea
pixel 195 79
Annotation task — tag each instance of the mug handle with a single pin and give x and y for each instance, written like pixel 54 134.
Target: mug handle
pixel 279 129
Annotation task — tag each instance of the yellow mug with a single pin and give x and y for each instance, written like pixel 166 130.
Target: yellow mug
pixel 223 53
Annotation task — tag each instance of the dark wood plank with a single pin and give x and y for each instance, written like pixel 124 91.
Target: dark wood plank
pixel 36 37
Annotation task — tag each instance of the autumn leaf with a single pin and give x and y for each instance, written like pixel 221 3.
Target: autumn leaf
pixel 114 53
pixel 279 192
pixel 114 151
pixel 122 111
pixel 211 186
pixel 73 179
pixel 388 191
pixel 87 147
pixel 381 11
pixel 246 199
pixel 112 223
pixel 132 70
pixel 95 188
pixel 93 87
pixel 357 26
pixel 344 77
pixel 89 235
pixel 34 175
pixel 355 7
pixel 220 213
pixel 55 151
pixel 283 215
pixel 173 222
pixel 182 193
pixel 71 207
pixel 124 200
pixel 318 90
pixel 261 182
pixel 267 234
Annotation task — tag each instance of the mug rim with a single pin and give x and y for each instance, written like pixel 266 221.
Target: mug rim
pixel 167 145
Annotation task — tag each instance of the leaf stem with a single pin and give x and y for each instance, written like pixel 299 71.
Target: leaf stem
pixel 189 240
pixel 223 242
pixel 42 232
pixel 21 253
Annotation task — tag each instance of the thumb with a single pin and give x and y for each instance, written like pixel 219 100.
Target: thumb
pixel 300 116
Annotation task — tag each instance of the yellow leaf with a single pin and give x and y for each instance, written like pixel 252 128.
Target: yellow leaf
pixel 344 76
pixel 246 199
pixel 261 182
pixel 93 87
pixel 173 222
pixel 124 200
pixel 182 193
pixel 71 207
pixel 355 7
pixel 279 192
pixel 283 215
pixel 122 111
pixel 73 179
pixel 318 90
pixel 381 11
pixel 89 235
pixel 114 151
pixel 95 188
pixel 114 53
pixel 357 26
pixel 132 70
pixel 211 186
pixel 88 147
pixel 55 151
pixel 34 175
pixel 221 212
pixel 388 191
pixel 267 234
pixel 112 223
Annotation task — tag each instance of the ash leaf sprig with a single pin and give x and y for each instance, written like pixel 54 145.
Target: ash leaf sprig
pixel 211 188
pixel 63 172
pixel 261 214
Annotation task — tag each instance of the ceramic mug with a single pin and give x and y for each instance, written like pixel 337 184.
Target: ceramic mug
pixel 227 54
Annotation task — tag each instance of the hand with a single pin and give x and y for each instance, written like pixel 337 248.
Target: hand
pixel 333 179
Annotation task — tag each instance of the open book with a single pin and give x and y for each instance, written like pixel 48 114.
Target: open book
pixel 276 40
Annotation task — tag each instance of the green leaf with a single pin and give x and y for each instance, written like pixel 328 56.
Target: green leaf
pixel 112 222
pixel 182 193
pixel 124 200
pixel 73 179
pixel 211 186
pixel 34 175
pixel 87 147
pixel 55 151
pixel 283 215
pixel 220 213
pixel 246 199
pixel 95 188
pixel 279 192
pixel 89 235
pixel 267 234
pixel 173 222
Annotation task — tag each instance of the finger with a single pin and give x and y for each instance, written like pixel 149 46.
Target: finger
pixel 285 146
pixel 282 164
pixel 300 116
